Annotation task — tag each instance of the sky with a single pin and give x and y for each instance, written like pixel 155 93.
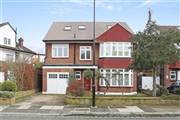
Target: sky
pixel 32 18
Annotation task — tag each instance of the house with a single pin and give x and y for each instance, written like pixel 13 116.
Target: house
pixel 11 50
pixel 69 50
pixel 38 58
pixel 170 73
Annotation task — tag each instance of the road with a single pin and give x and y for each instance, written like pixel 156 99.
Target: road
pixel 58 117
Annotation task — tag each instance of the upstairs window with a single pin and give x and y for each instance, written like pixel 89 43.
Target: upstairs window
pixel 115 49
pixel 60 50
pixel 67 28
pixel 85 52
pixel 81 27
pixel 7 41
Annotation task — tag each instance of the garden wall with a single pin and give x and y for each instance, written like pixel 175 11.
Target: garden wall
pixel 120 101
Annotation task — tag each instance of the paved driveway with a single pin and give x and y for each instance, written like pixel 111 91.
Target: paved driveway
pixel 40 99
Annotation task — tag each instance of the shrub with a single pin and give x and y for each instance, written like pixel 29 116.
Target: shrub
pixel 75 88
pixel 177 91
pixel 0 86
pixel 88 74
pixel 8 86
pixel 6 94
pixel 161 91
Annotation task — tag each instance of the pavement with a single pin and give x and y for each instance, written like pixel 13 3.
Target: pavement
pixel 54 105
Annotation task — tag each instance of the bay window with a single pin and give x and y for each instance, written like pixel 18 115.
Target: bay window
pixel 115 49
pixel 60 50
pixel 116 77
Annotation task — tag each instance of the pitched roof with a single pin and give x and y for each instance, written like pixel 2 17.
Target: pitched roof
pixel 57 32
pixel 24 49
pixel 163 28
pixel 7 23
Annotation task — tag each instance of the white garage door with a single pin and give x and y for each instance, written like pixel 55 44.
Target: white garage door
pixel 57 82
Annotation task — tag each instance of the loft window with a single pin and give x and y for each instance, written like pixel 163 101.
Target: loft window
pixel 81 27
pixel 67 28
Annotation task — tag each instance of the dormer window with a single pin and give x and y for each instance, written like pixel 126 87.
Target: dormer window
pixel 81 27
pixel 109 26
pixel 67 28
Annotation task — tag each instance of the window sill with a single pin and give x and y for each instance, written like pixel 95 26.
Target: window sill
pixel 60 57
pixel 118 86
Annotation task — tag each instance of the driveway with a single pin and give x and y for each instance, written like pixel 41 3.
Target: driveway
pixel 40 99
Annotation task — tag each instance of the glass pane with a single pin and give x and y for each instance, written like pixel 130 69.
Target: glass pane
pixel 120 49
pixel 114 80
pixel 52 75
pixel 108 49
pixel 54 52
pixel 59 51
pixel 101 49
pixel 126 79
pixel 101 81
pixel 120 79
pixel 114 49
pixel 65 52
pixel 88 54
pixel 82 54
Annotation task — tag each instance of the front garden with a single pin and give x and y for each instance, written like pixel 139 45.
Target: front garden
pixel 9 93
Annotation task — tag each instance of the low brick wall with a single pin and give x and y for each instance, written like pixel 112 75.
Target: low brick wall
pixel 120 101
pixel 22 94
pixel 7 101
pixel 18 95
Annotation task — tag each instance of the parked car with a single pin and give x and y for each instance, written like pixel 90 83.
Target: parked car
pixel 174 86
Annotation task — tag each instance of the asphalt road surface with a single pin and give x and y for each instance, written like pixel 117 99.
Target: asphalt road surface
pixel 58 117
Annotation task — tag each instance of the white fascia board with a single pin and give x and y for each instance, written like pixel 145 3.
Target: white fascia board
pixel 76 67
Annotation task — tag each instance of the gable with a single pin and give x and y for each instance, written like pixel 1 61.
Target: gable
pixel 117 33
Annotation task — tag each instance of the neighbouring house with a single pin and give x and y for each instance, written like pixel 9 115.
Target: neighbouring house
pixel 11 50
pixel 68 47
pixel 38 58
pixel 169 73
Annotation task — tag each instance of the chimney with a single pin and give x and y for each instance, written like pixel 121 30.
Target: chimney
pixel 20 42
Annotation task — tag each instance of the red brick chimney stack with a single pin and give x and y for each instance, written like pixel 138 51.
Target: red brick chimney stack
pixel 21 42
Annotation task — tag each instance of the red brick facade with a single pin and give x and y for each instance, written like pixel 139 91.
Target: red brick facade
pixel 116 33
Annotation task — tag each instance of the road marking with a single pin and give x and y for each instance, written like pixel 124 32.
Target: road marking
pixel 58 107
pixel 24 107
pixel 47 107
pixel 2 108
pixel 134 109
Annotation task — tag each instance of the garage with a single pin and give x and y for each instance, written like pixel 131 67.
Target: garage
pixel 57 82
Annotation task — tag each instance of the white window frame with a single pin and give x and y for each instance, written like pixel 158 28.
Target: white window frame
pixel 78 73
pixel 103 49
pixel 62 46
pixel 58 74
pixel 82 48
pixel 5 40
pixel 172 72
pixel 130 73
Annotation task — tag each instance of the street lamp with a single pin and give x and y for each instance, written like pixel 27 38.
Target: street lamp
pixel 94 45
